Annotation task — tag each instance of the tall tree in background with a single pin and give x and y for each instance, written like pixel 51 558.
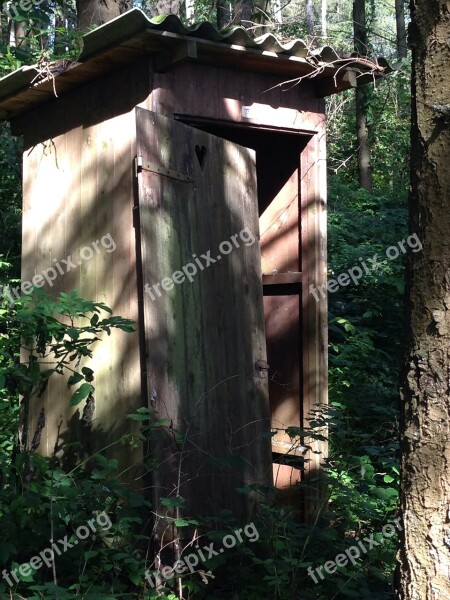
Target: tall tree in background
pixel 362 96
pixel 324 18
pixel 243 12
pixel 248 13
pixel 309 16
pixel 97 12
pixel 402 49
pixel 425 425
pixel 224 15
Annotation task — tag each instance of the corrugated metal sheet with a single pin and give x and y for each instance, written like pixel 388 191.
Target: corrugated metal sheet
pixel 134 34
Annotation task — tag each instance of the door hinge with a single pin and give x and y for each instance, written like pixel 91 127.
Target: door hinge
pixel 146 166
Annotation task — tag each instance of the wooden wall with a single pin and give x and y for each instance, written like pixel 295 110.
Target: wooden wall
pixel 78 188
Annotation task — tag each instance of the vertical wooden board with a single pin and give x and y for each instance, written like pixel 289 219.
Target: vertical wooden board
pixel 43 252
pixel 285 477
pixel 283 355
pixel 29 249
pixel 314 313
pixel 210 330
pixel 279 225
pixel 111 239
pixel 126 356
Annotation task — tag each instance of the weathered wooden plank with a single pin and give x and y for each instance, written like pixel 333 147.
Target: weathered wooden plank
pixel 282 314
pixel 314 314
pixel 279 225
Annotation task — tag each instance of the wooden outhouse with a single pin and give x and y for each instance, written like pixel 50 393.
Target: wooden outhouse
pixel 183 172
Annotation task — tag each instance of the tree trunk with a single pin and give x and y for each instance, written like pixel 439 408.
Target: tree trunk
pixel 362 98
pixel 224 16
pixel 425 421
pixel 189 10
pixel 359 27
pixel 402 49
pixel 97 12
pixel 251 13
pixel 277 16
pixel 243 12
pixel 324 18
pixel 362 134
pixel 309 16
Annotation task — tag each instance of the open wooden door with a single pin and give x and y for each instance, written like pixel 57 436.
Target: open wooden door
pixel 203 317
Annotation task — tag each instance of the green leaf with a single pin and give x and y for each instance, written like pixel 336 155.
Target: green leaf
pixel 81 393
pixel 74 378
pixel 176 501
pixel 181 523
pixel 73 333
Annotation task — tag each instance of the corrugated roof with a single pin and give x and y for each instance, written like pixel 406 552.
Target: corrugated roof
pixel 133 34
pixel 135 21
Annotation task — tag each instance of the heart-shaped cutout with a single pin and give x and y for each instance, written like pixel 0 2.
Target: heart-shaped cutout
pixel 200 151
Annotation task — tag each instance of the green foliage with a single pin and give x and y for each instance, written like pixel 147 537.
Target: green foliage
pixel 10 204
pixel 39 499
pixel 49 330
pixel 54 505
pixel 42 499
pixel 388 117
pixel 366 328
pixel 45 32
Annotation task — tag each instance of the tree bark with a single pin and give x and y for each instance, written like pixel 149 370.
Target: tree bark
pixel 309 16
pixel 243 12
pixel 363 137
pixel 249 12
pixel 277 16
pixel 359 27
pixel 425 420
pixel 362 98
pixel 402 49
pixel 324 18
pixel 97 12
pixel 224 16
